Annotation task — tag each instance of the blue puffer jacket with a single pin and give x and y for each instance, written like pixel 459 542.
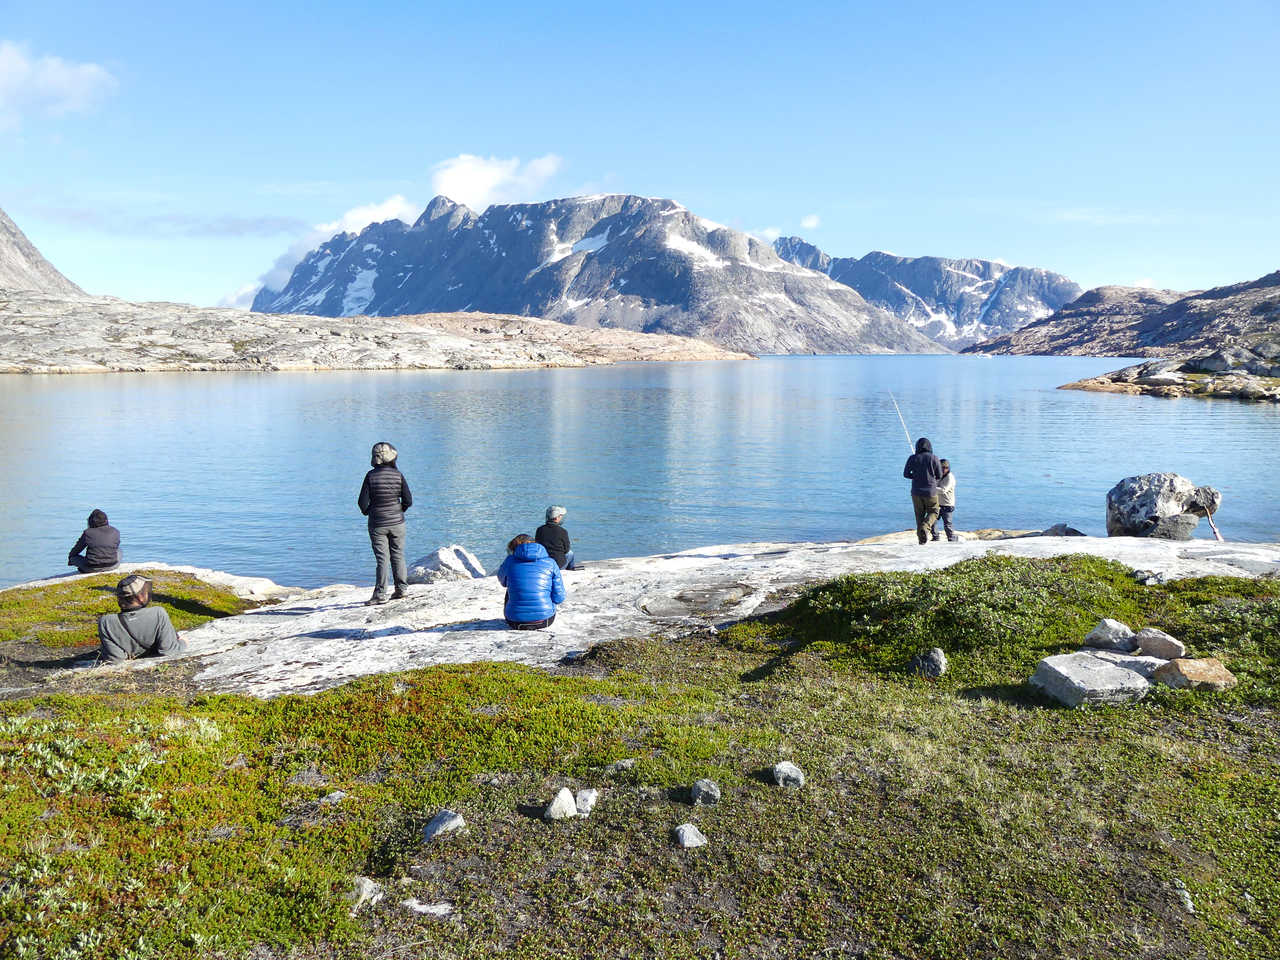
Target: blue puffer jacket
pixel 533 583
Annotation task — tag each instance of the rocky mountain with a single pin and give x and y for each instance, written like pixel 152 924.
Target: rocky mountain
pixel 23 268
pixel 1137 322
pixel 605 261
pixel 954 302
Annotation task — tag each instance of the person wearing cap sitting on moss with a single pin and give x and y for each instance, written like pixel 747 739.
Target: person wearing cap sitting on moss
pixel 555 538
pixel 138 630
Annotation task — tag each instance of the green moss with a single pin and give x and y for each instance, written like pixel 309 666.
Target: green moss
pixel 65 614
pixel 940 819
pixel 996 616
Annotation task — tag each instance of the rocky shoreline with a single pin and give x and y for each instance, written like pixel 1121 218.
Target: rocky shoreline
pixel 41 333
pixel 1232 373
pixel 314 640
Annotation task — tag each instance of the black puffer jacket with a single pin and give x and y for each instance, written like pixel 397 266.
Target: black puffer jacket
pixel 384 496
pixel 555 539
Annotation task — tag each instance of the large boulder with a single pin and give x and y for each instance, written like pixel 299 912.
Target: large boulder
pixel 1163 505
pixel 446 563
pixel 1081 678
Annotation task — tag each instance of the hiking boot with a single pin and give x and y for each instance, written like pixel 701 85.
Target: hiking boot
pixel 376 600
pixel 399 594
pixel 935 538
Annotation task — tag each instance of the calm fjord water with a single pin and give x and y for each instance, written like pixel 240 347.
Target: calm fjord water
pixel 258 473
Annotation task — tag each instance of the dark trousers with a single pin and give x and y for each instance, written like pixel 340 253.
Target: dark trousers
pixel 944 514
pixel 532 624
pixel 84 566
pixel 926 515
pixel 388 552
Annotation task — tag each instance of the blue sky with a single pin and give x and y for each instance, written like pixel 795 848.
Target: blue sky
pixel 176 151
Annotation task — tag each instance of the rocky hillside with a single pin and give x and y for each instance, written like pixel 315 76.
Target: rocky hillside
pixel 23 268
pixel 1135 322
pixel 46 334
pixel 954 302
pixel 607 261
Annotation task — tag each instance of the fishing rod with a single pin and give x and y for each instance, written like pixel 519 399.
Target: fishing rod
pixel 903 422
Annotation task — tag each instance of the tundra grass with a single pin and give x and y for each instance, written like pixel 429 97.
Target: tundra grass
pixel 65 614
pixel 958 818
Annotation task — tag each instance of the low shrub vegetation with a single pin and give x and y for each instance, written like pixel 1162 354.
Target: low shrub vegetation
pixel 957 818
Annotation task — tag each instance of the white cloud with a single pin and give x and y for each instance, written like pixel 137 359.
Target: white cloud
pixel 480 181
pixel 47 85
pixel 1108 218
pixel 810 222
pixel 1147 282
pixel 353 221
pixel 242 298
pixel 769 233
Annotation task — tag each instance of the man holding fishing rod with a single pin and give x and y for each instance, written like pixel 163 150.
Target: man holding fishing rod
pixel 924 470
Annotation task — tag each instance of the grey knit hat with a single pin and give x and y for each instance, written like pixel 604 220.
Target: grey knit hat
pixel 555 513
pixel 383 452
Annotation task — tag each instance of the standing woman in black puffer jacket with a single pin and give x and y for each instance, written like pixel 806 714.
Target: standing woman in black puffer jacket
pixel 384 497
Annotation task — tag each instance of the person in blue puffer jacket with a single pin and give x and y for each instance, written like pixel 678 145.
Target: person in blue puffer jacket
pixel 533 583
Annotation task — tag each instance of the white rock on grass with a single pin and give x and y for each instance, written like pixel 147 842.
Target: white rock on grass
pixel 1157 643
pixel 1078 678
pixel 562 807
pixel 453 562
pixel 415 905
pixel 930 664
pixel 1145 666
pixel 444 822
pixel 688 836
pixel 331 798
pixel 1111 635
pixel 585 801
pixel 364 891
pixel 705 791
pixel 787 774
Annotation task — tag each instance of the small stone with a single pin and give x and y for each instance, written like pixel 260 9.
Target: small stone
pixel 930 664
pixel 618 766
pixel 787 774
pixel 1145 666
pixel 444 822
pixel 1157 643
pixel 688 836
pixel 1078 678
pixel 415 905
pixel 1111 635
pixel 585 801
pixel 1184 896
pixel 1205 674
pixel 364 891
pixel 562 807
pixel 336 797
pixel 705 791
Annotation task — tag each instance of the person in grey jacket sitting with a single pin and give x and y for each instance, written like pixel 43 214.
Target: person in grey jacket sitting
pixel 100 544
pixel 138 630
pixel 384 497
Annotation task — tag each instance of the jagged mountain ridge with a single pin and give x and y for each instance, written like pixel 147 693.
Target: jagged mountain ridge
pixel 954 302
pixel 623 261
pixel 1140 322
pixel 23 268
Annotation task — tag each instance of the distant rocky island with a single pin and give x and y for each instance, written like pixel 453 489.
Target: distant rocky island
pixel 49 325
pixel 1233 373
pixel 1138 322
